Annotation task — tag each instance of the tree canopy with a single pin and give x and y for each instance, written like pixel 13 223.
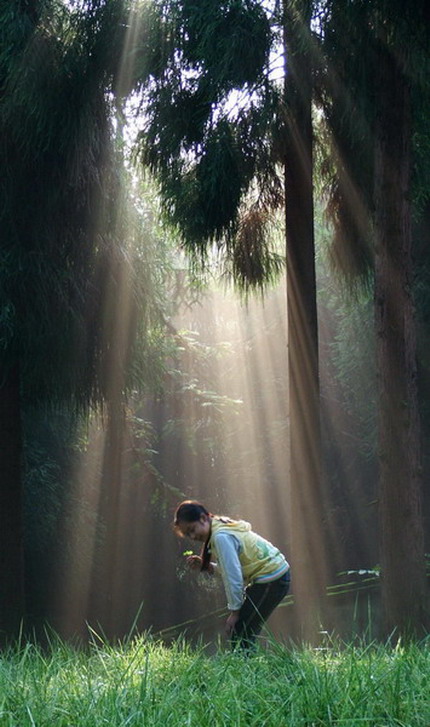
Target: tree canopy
pixel 210 107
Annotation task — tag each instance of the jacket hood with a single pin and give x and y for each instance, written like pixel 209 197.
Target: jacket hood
pixel 219 522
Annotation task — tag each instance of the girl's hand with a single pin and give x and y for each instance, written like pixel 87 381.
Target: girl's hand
pixel 231 623
pixel 194 562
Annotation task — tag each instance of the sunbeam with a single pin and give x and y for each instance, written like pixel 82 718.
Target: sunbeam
pixel 219 429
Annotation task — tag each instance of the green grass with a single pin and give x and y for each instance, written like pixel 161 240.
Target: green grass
pixel 145 683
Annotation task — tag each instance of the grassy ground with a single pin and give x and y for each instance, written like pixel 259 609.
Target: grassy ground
pixel 147 684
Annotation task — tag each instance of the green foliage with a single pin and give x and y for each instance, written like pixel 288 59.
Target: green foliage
pixel 227 42
pixel 69 235
pixel 151 254
pixel 57 164
pixel 53 444
pixel 230 40
pixel 50 449
pixel 345 90
pixel 200 408
pixel 351 36
pixel 225 384
pixel 209 148
pixel 144 682
pixel 56 440
pixel 349 356
pixel 82 295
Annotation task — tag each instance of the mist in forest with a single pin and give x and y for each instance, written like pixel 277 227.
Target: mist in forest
pixel 217 431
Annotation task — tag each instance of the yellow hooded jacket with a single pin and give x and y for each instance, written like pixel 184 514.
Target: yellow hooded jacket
pixel 260 561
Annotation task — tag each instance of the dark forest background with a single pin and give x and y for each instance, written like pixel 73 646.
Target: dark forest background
pixel 180 185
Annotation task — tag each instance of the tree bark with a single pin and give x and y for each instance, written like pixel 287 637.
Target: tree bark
pixel 11 525
pixel 308 547
pixel 404 589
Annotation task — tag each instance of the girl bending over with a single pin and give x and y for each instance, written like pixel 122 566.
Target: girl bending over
pixel 255 574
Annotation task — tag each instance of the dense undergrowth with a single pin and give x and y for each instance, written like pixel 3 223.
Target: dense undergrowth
pixel 146 683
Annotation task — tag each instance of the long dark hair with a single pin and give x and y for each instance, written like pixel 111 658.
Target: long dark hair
pixel 189 511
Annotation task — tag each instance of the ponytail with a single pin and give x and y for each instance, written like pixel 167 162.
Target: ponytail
pixel 205 555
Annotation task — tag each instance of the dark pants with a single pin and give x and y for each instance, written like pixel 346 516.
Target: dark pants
pixel 260 600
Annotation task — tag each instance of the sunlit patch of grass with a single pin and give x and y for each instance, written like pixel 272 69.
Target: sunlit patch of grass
pixel 143 682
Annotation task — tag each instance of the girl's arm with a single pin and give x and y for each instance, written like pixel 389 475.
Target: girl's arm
pixel 228 549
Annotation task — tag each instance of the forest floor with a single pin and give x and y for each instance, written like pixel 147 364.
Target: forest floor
pixel 144 682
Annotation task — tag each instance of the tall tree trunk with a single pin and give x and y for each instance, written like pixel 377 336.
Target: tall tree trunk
pixel 404 591
pixel 106 600
pixel 11 526
pixel 307 529
pixel 120 316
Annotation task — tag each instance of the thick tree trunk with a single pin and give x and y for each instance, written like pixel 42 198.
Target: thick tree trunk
pixel 309 567
pixel 11 527
pixel 404 591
